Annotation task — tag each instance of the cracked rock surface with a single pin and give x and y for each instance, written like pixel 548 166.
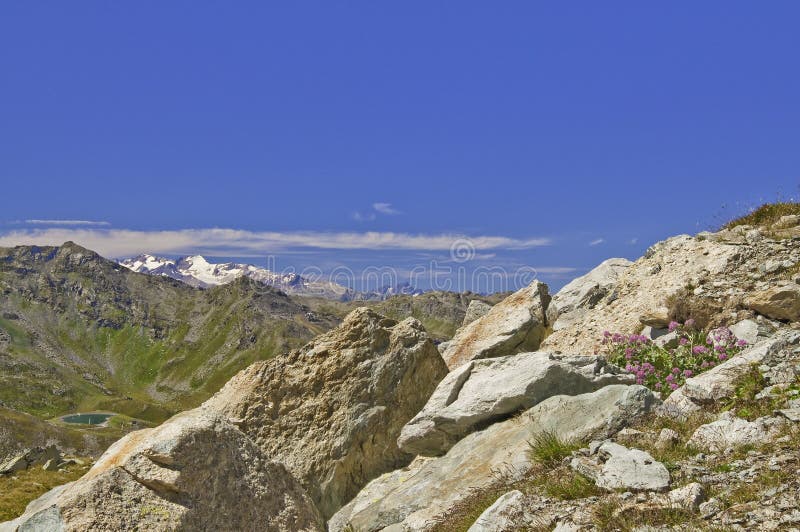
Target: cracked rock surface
pixel 194 472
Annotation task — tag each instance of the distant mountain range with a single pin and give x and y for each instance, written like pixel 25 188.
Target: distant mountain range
pixel 199 272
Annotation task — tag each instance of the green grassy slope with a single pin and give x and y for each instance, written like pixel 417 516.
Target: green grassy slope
pixel 78 333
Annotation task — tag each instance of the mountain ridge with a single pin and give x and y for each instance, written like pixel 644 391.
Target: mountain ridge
pixel 197 271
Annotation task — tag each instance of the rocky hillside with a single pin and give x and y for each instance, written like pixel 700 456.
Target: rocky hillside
pixel 715 278
pixel 661 394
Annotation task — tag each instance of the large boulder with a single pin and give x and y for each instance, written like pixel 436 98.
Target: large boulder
pixel 515 325
pixel 413 497
pixel 332 410
pixel 775 357
pixel 777 302
pixel 730 431
pixel 584 292
pixel 614 466
pixel 490 389
pixel 194 472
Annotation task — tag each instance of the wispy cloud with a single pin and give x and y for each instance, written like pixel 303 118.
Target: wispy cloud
pixel 385 208
pixel 633 241
pixel 377 208
pixel 234 242
pixel 65 222
pixel 597 242
pixel 363 217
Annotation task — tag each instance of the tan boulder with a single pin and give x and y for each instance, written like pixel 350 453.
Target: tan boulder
pixel 658 318
pixel 194 472
pixel 777 302
pixel 332 411
pixel 515 325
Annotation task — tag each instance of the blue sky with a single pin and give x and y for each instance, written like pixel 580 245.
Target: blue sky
pixel 549 135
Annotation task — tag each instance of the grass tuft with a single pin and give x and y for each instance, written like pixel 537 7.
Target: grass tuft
pixel 548 449
pixel 765 215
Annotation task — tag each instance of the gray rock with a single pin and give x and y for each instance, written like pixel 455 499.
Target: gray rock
pixel 489 389
pixel 414 496
pixel 792 414
pixel 710 508
pixel 668 340
pixel 731 432
pixel 689 496
pixel 476 309
pixel 746 330
pixel 515 325
pixel 667 439
pixel 617 467
pixel 654 333
pixel 506 513
pixel 587 291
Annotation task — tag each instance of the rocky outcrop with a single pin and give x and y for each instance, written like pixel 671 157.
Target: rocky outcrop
pixel 780 302
pixel 585 292
pixel 775 357
pixel 332 411
pixel 29 458
pixel 717 270
pixel 515 325
pixel 476 309
pixel 194 472
pixel 613 466
pixel 487 390
pixel 412 497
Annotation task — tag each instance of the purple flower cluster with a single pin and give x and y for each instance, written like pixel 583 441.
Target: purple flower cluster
pixel 667 368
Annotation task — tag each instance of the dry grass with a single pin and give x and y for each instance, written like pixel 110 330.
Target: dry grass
pixel 17 490
pixel 611 515
pixel 685 305
pixel 765 215
pixel 462 515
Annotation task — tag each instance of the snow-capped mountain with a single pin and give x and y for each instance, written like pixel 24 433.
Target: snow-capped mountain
pixel 197 271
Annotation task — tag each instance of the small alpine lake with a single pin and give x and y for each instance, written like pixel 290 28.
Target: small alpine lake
pixel 87 419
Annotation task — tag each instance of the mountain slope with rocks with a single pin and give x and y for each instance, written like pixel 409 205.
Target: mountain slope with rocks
pixel 525 420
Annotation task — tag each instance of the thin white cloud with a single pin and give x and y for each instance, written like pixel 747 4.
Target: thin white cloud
pixel 234 242
pixel 65 222
pixel 360 217
pixel 385 208
pixel 633 241
pixel 597 242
